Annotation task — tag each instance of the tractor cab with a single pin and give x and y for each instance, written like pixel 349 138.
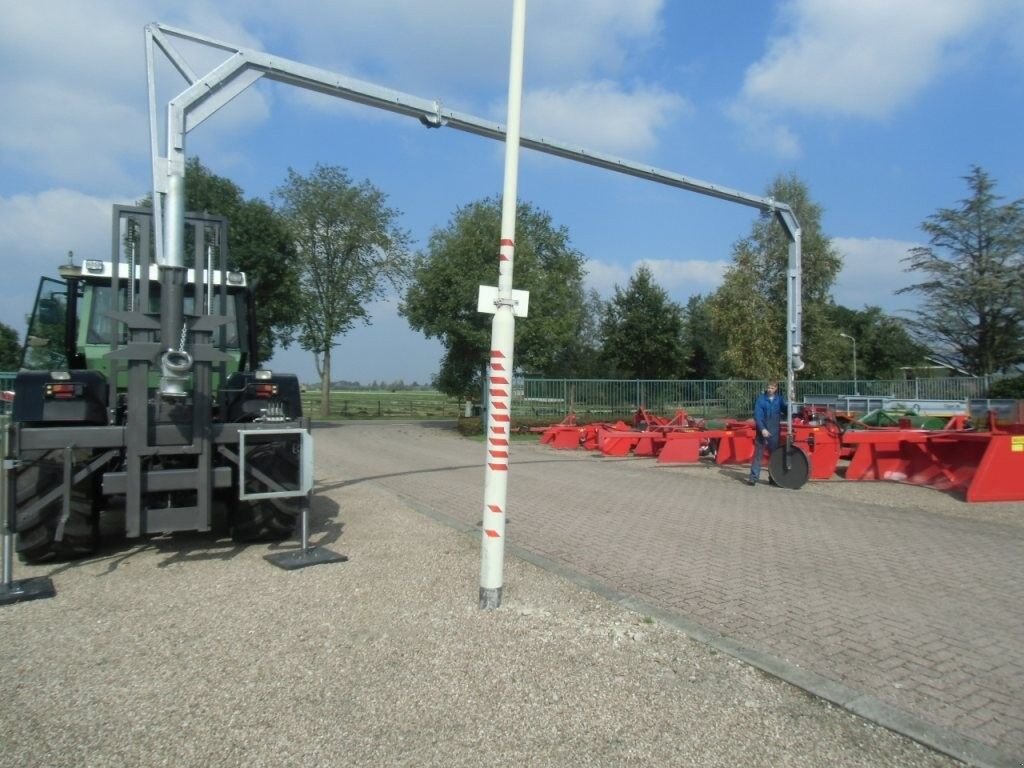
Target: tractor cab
pixel 79 321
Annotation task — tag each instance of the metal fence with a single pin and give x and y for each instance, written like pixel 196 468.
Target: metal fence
pixel 601 399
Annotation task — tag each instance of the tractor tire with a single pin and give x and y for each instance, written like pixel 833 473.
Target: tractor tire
pixel 266 519
pixel 37 533
pixel 255 521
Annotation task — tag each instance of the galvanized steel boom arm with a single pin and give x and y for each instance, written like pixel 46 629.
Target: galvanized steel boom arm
pixel 208 93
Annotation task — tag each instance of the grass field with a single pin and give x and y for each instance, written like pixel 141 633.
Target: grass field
pixel 362 404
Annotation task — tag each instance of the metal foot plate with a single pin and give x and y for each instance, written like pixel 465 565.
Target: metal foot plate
pixel 294 559
pixel 26 589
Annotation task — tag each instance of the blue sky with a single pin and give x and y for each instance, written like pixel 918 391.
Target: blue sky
pixel 880 107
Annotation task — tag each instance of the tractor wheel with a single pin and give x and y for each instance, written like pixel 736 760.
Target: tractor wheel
pixel 266 519
pixel 37 532
pixel 261 521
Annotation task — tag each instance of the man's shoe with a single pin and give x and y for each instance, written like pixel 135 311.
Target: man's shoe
pixel 751 482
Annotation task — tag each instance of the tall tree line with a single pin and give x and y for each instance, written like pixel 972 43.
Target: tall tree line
pixel 332 245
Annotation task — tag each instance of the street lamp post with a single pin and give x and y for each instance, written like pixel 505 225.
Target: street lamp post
pixel 856 389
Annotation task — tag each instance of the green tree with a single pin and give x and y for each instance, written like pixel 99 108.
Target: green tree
pixel 441 300
pixel 701 350
pixel 581 357
pixel 642 330
pixel 10 349
pixel 973 294
pixel 748 310
pixel 1010 388
pixel 883 344
pixel 259 244
pixel 350 249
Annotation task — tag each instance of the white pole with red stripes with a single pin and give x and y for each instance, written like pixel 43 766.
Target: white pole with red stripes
pixel 505 304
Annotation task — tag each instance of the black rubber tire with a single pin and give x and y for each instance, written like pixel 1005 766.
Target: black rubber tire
pixel 254 521
pixel 264 520
pixel 789 467
pixel 36 541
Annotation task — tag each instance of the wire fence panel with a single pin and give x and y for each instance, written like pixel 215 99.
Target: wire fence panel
pixel 959 388
pixel 610 399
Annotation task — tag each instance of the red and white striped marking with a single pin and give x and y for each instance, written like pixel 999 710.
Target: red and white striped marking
pixel 505 252
pixel 490 531
pixel 497 448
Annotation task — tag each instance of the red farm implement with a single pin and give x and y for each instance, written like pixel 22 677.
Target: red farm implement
pixel 649 434
pixel 982 464
pixel 566 435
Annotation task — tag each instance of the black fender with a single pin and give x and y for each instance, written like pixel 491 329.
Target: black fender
pixel 35 400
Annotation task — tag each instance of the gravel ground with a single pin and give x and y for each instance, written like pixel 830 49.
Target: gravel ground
pixel 189 650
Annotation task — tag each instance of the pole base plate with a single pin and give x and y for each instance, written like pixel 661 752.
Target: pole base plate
pixel 294 559
pixel 25 590
pixel 490 598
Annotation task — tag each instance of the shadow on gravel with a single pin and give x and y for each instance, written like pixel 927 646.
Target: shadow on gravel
pixel 197 546
pixel 324 527
pixel 115 549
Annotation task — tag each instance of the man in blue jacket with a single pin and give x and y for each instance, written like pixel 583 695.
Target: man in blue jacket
pixel 769 409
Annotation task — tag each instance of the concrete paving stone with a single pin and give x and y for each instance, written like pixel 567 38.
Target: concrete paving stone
pixel 894 575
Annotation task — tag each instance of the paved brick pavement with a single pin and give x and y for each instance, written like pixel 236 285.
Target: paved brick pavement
pixel 904 594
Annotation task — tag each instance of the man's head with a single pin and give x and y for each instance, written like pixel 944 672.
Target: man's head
pixel 772 387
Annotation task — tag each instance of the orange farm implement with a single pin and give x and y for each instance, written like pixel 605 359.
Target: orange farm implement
pixel 981 463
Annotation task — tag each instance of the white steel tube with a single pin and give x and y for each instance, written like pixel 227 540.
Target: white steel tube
pixel 503 327
pixel 174 222
pixel 8 497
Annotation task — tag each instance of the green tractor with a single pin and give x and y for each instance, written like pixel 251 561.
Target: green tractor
pixel 138 397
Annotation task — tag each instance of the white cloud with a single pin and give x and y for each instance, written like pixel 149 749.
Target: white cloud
pixel 79 85
pixel 854 58
pixel 680 278
pixel 36 233
pixel 763 131
pixel 872 272
pixel 684 278
pixel 72 117
pixel 567 41
pixel 863 58
pixel 600 115
pixel 37 226
pixel 72 135
pixel 412 46
pixel 64 36
pixel 603 277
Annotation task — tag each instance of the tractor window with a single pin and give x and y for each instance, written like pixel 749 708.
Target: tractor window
pixel 100 326
pixel 44 343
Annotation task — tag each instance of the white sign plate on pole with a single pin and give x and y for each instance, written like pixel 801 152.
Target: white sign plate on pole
pixel 487 301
